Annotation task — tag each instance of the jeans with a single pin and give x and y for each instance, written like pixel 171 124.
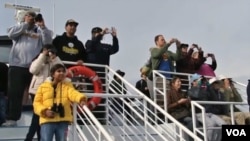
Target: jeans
pixel 48 130
pixel 212 120
pixel 18 79
pixel 2 108
pixel 34 125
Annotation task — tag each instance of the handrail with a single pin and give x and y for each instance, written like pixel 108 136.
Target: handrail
pixel 131 88
pixel 97 123
pixel 94 120
pixel 158 73
pixel 193 105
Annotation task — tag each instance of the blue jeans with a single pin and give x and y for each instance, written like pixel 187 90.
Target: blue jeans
pixel 2 108
pixel 48 130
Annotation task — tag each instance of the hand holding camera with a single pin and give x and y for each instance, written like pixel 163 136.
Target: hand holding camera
pixel 111 31
pixel 39 20
pixel 210 55
pixel 195 46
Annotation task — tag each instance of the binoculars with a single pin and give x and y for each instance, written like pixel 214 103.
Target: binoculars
pixel 58 109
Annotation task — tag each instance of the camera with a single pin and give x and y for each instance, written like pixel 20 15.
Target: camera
pixel 52 50
pixel 210 54
pixel 58 109
pixel 38 18
pixel 195 45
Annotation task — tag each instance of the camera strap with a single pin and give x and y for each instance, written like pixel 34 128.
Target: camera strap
pixel 61 94
pixel 54 97
pixel 54 86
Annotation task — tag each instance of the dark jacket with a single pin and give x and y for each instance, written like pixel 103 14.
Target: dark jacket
pixel 141 85
pixel 3 77
pixel 99 53
pixel 248 92
pixel 217 95
pixel 200 93
pixel 69 49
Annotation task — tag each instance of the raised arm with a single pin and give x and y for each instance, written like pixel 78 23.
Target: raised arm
pixel 15 31
pixel 115 46
pixel 46 34
pixel 38 64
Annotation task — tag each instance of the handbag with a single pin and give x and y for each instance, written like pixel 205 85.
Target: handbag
pixel 181 113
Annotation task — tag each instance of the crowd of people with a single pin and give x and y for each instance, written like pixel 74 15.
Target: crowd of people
pixel 36 62
pixel 35 65
pixel 205 84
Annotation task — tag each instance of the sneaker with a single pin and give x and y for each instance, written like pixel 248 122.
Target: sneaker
pixel 9 123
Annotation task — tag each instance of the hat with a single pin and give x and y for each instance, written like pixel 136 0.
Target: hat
pixel 30 13
pixel 221 77
pixel 96 30
pixel 212 80
pixel 183 45
pixel 195 77
pixel 71 21
pixel 121 73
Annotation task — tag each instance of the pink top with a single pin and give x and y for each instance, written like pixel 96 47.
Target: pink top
pixel 206 70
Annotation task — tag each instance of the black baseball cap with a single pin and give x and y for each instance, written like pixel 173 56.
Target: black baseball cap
pixel 121 73
pixel 96 30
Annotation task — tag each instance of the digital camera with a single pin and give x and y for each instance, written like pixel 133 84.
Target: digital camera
pixel 38 18
pixel 58 109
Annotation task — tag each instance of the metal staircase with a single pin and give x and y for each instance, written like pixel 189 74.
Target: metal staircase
pixel 129 116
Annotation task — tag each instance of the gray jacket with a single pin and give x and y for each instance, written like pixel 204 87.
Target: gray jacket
pixel 27 43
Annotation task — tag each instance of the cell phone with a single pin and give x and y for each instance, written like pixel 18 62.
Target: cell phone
pixel 210 54
pixel 109 30
pixel 38 18
pixel 195 45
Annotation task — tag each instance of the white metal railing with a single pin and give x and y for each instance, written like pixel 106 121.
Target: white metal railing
pixel 196 104
pixel 95 130
pixel 136 121
pixel 160 88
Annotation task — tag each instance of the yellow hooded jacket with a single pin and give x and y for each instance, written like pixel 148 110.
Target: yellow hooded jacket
pixel 65 93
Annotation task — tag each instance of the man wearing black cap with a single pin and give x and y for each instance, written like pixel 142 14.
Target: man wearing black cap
pixel 69 48
pixel 99 53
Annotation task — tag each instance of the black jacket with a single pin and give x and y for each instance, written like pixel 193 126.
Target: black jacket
pixel 217 95
pixel 141 85
pixel 69 49
pixel 3 77
pixel 99 53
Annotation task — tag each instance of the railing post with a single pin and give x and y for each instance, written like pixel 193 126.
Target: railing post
pixel 74 121
pixel 232 113
pixel 146 119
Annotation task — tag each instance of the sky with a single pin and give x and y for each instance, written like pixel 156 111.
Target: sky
pixel 219 27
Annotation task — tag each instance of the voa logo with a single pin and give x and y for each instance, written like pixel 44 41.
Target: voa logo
pixel 236 132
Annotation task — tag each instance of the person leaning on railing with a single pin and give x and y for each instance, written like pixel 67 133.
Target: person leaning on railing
pixel 53 104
